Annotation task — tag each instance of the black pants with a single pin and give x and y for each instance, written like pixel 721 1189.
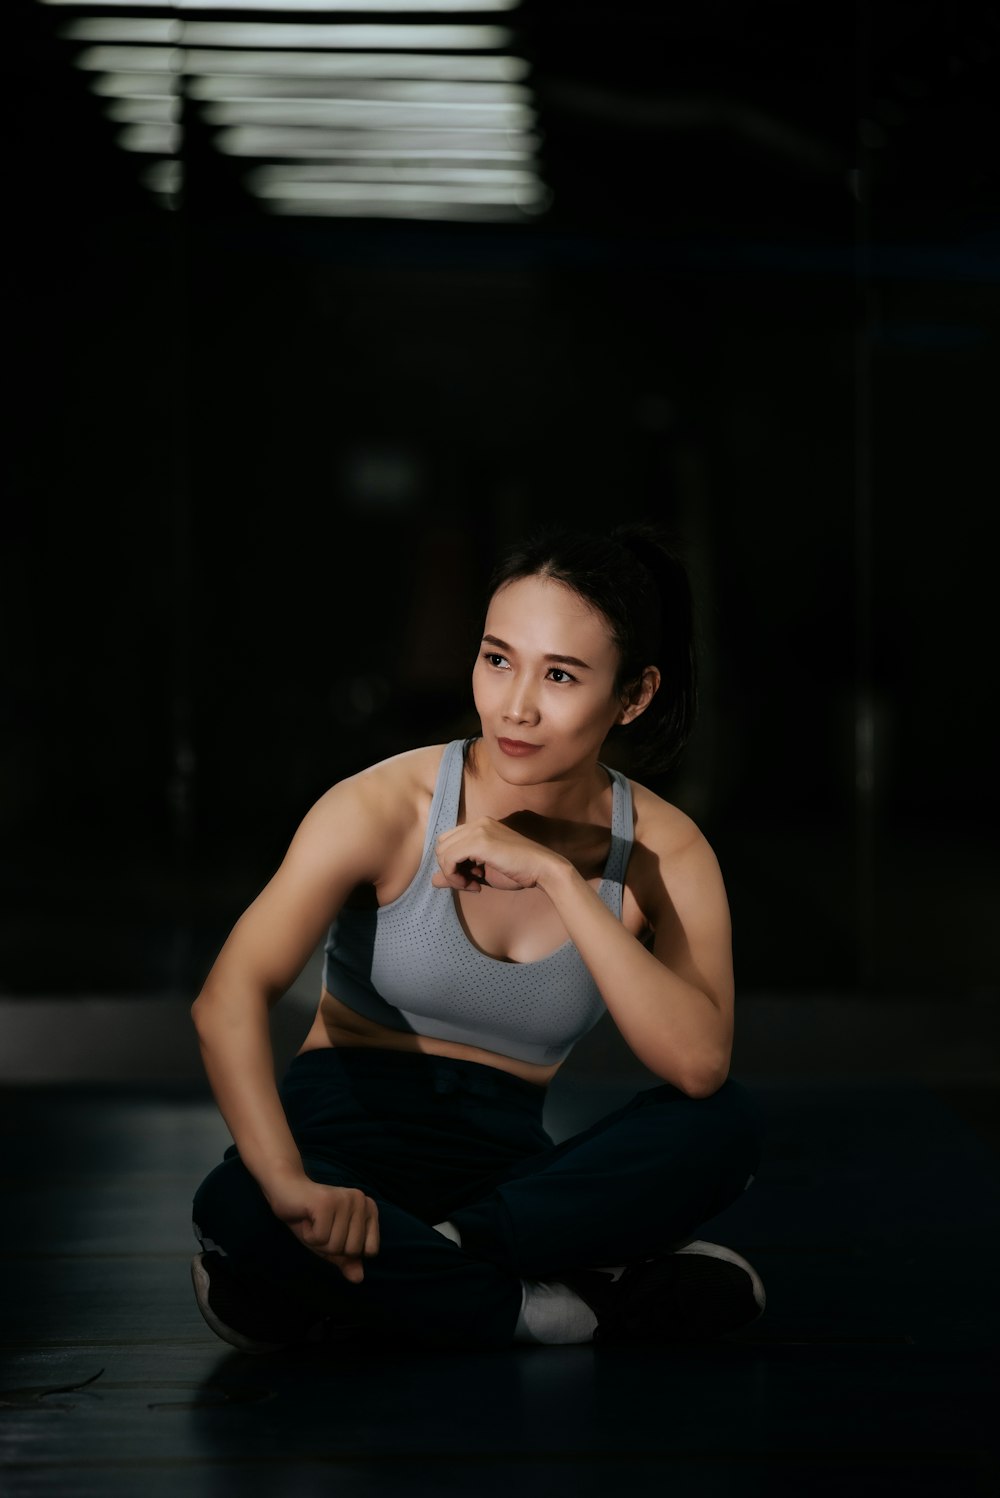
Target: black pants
pixel 429 1138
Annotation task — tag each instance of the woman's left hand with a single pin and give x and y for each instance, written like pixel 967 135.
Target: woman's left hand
pixel 489 852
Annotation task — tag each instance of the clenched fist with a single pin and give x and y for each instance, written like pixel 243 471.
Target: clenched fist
pixel 338 1223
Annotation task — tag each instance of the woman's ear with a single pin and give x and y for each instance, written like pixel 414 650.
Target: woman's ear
pixel 639 695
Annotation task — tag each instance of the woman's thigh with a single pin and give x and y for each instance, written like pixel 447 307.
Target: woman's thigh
pixel 419 1130
pixel 634 1183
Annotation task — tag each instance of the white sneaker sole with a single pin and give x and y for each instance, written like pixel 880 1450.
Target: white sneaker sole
pixel 719 1251
pixel 201 1282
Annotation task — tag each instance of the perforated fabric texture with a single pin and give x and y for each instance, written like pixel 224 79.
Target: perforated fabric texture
pixel 410 965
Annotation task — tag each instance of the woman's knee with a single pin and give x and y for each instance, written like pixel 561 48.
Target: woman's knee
pixel 743 1132
pixel 228 1207
pixel 725 1124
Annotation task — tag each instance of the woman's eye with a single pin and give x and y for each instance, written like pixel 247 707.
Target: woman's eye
pixel 498 662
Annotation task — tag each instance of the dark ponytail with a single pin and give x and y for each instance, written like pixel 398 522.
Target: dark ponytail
pixel 634 577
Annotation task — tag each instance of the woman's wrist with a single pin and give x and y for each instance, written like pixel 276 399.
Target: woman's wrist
pixel 279 1173
pixel 557 874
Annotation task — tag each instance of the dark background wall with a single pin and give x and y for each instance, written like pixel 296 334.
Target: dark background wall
pixel 258 469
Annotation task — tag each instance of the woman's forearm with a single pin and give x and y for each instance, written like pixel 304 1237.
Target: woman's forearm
pixel 235 1039
pixel 670 1025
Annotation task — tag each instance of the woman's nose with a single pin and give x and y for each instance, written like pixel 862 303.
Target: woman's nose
pixel 521 707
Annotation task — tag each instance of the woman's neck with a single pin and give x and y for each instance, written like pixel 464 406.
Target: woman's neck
pixel 572 798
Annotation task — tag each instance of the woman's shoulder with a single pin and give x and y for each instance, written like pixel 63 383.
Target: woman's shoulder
pixel 395 789
pixel 410 773
pixel 663 827
pixel 371 813
pixel 676 870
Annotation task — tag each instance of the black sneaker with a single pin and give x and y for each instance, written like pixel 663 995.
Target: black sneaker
pixel 226 1305
pixel 702 1290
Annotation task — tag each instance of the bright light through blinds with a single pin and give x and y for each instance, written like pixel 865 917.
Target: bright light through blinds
pixel 270 34
pixel 303 7
pixel 383 145
pixel 388 116
pixel 362 65
pixel 367 114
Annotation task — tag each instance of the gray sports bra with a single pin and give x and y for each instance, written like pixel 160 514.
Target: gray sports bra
pixel 410 966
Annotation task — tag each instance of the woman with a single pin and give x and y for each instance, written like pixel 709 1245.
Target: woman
pixel 486 901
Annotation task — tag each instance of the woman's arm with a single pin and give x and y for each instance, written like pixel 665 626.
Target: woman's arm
pixel 674 1004
pixel 341 842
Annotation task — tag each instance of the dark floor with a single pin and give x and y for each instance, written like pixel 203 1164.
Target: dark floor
pixel 873 1222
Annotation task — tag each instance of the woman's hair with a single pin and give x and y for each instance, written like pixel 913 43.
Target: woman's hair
pixel 633 577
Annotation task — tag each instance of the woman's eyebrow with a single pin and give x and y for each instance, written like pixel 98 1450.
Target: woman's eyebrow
pixel 569 660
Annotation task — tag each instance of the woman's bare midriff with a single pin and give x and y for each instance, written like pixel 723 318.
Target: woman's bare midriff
pixel 336 1025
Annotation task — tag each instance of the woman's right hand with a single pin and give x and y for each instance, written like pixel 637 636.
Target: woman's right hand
pixel 338 1223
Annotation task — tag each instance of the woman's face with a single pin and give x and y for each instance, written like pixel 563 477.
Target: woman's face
pixel 545 677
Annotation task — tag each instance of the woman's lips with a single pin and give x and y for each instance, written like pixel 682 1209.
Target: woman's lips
pixel 515 747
